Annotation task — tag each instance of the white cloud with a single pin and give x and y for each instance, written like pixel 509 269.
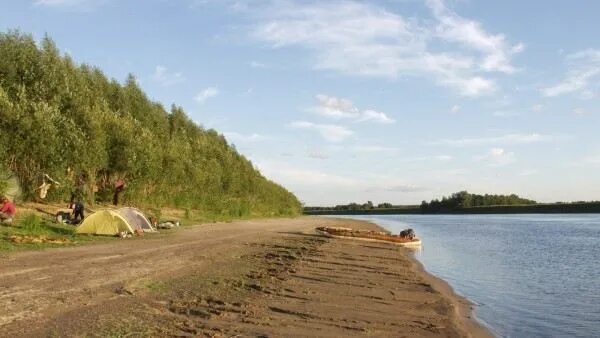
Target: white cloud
pixel 243 138
pixel 299 178
pixel 497 52
pixel 363 39
pixel 69 4
pixel 537 108
pixel 498 157
pixel 592 159
pixel 375 116
pixel 340 108
pixel 256 64
pixel 585 161
pixel 528 172
pixel 587 95
pixel 441 158
pixel 330 132
pixel 207 94
pixel 317 183
pixel 162 76
pixel 504 113
pixel 318 155
pixel 404 188
pixel 455 108
pixel 508 139
pixel 580 111
pixel 336 108
pixel 374 149
pixel 583 71
pixel 59 2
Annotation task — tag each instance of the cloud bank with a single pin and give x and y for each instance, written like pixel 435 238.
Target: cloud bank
pixel 363 39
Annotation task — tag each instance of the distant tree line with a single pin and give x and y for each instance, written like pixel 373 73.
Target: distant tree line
pixel 461 203
pixel 87 131
pixel 459 200
pixel 464 199
pixel 356 206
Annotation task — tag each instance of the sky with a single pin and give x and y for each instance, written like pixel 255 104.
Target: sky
pixel 348 101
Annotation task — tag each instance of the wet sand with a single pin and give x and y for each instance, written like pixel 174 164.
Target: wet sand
pixel 260 278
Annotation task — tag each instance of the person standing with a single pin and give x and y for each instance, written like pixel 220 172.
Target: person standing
pixel 7 211
pixel 78 212
pixel 119 186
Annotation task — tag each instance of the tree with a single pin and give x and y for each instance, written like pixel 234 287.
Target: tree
pixel 70 121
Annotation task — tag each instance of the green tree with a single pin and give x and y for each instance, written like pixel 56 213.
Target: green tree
pixel 72 122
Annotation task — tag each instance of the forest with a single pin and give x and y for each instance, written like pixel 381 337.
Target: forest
pixel 71 124
pixel 464 199
pixel 461 202
pixel 361 206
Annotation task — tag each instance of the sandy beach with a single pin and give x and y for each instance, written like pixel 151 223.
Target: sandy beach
pixel 259 278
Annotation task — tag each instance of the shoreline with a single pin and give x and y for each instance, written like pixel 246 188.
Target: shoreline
pixel 464 308
pixel 270 277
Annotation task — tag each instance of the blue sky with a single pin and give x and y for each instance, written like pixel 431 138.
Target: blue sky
pixel 344 101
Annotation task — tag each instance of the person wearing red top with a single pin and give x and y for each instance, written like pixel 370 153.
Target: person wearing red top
pixel 7 211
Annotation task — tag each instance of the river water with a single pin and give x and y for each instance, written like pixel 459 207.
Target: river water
pixel 529 275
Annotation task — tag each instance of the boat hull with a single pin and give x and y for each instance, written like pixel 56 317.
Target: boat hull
pixel 415 242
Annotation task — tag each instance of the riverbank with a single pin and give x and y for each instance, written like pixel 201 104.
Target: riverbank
pixel 540 208
pixel 271 277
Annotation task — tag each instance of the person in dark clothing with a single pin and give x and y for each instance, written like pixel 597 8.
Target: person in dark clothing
pixel 78 212
pixel 119 186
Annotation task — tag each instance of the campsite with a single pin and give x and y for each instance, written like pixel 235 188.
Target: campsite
pixel 37 226
pixel 299 168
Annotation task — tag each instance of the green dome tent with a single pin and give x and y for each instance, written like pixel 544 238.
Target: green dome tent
pixel 105 222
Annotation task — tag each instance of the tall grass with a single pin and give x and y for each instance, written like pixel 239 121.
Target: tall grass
pixel 33 224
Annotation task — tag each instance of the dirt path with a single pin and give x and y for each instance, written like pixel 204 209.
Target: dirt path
pixel 250 278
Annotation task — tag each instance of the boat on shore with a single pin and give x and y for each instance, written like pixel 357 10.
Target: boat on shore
pixel 405 238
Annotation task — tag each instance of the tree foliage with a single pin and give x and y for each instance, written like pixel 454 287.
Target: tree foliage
pixel 463 199
pixel 358 207
pixel 85 130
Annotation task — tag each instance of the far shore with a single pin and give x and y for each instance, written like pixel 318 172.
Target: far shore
pixel 547 208
pixel 271 277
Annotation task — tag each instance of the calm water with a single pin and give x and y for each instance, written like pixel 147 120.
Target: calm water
pixel 529 275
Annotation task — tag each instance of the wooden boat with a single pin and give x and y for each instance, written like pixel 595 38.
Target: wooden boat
pixel 368 235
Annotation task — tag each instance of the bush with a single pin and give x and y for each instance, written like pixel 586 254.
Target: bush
pixel 32 224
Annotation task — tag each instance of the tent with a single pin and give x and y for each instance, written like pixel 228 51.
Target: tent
pixel 105 222
pixel 136 219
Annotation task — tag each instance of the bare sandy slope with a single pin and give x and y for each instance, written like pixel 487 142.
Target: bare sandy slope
pixel 250 278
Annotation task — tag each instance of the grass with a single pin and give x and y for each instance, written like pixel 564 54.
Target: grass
pixel 156 286
pixel 32 226
pixel 38 224
pixel 127 327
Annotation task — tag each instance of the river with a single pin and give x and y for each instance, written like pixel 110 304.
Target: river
pixel 528 275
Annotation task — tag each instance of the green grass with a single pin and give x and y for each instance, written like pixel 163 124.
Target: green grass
pixel 124 328
pixel 156 286
pixel 30 224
